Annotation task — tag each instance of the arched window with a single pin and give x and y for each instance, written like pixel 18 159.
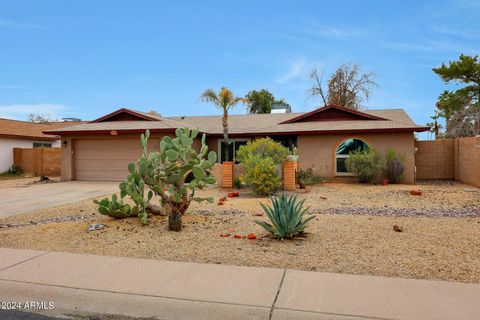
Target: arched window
pixel 342 152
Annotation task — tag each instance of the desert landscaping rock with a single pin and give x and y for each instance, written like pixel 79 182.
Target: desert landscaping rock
pixel 407 212
pixel 351 233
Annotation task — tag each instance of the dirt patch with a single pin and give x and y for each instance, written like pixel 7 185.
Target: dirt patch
pixel 23 182
pixel 446 248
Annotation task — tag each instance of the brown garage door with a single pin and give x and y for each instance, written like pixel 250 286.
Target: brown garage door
pixel 107 159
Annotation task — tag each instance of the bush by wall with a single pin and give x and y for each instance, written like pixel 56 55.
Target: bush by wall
pixel 366 164
pixel 261 159
pixel 394 166
pixel 309 177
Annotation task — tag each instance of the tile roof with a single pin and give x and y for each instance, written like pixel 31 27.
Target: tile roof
pixel 396 119
pixel 27 130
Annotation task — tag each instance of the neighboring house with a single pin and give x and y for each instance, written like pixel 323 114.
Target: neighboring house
pixel 101 149
pixel 22 134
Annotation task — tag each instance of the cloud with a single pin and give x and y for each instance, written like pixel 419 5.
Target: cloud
pixel 21 111
pixel 296 68
pixel 19 25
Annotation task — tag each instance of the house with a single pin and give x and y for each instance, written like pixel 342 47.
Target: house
pixel 22 134
pixel 101 149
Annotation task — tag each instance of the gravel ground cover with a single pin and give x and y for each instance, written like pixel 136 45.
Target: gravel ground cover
pixel 352 232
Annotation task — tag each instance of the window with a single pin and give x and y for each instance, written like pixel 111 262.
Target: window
pixel 235 144
pixel 342 154
pixel 42 145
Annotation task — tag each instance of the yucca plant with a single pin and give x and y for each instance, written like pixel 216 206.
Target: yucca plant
pixel 286 216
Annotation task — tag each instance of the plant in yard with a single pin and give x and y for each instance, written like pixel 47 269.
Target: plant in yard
pixel 237 183
pixel 286 217
pixel 164 174
pixel 364 163
pixel 15 170
pixel 262 175
pixel 309 177
pixel 225 100
pixel 115 208
pixel 394 166
pixel 261 159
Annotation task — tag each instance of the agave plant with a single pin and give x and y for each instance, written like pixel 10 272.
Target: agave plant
pixel 286 216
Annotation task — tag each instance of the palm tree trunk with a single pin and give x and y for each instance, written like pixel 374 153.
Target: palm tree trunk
pixel 225 138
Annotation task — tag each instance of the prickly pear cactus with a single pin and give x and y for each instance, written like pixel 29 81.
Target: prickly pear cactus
pixel 115 208
pixel 164 173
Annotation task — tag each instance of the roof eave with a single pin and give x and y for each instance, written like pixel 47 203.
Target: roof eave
pixel 26 137
pixel 342 131
pixel 102 131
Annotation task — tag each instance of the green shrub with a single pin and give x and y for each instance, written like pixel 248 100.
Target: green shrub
pixel 261 159
pixel 262 175
pixel 394 166
pixel 309 177
pixel 286 216
pixel 364 163
pixel 237 183
pixel 15 170
pixel 263 148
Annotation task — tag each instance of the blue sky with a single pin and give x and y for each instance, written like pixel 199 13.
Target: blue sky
pixel 87 58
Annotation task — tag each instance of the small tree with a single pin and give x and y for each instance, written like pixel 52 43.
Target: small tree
pixel 394 166
pixel 460 107
pixel 39 118
pixel 164 174
pixel 261 159
pixel 260 101
pixel 347 86
pixel 364 163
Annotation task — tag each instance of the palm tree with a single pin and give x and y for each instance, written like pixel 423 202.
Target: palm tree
pixel 435 127
pixel 225 99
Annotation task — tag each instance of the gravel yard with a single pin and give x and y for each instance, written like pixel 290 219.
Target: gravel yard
pixel 352 233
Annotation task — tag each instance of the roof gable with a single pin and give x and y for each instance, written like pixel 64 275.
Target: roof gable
pixel 126 115
pixel 333 113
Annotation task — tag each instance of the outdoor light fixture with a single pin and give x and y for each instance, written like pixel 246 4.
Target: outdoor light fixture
pixel 64 143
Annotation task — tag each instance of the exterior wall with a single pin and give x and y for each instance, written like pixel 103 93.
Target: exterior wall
pixel 318 151
pixel 435 159
pixel 449 159
pixel 467 160
pixel 6 149
pixel 212 144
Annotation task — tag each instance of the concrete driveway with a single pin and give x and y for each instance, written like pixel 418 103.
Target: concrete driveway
pixel 20 199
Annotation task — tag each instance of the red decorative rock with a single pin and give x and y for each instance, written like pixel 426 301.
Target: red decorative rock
pixel 233 194
pixel 258 214
pixel 220 203
pixel 397 228
pixel 225 235
pixel 251 236
pixel 223 199
pixel 415 192
pixel 385 182
pixel 237 236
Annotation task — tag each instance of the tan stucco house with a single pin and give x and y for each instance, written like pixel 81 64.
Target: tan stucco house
pixel 102 149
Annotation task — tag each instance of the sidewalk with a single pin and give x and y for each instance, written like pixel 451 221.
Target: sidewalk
pixel 181 290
